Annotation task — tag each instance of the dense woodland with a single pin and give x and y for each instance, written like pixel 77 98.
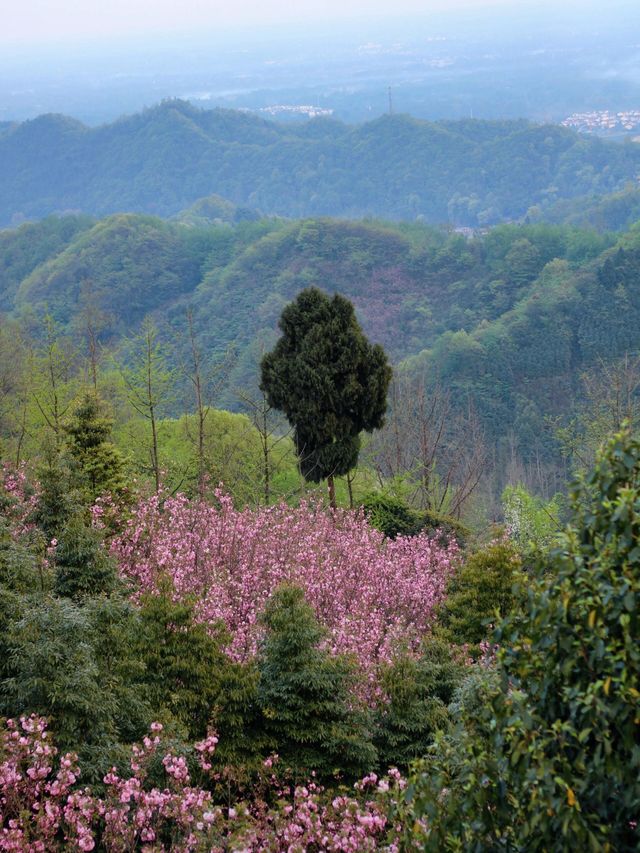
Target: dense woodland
pixel 162 160
pixel 200 651
pixel 508 330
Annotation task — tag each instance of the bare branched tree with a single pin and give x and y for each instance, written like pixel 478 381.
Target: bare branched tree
pixel 92 323
pixel 262 417
pixel 150 385
pixel 205 384
pixel 435 448
pixel 611 396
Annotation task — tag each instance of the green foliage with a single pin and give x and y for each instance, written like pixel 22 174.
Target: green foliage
pixel 237 716
pixel 23 574
pixel 183 660
pixel 328 380
pixel 83 568
pixel 213 209
pixel 100 463
pixel 394 517
pixel 124 264
pixel 549 759
pixel 416 693
pixel 391 515
pixel 233 455
pixel 532 523
pixel 444 527
pixel 506 321
pixel 456 798
pixel 73 663
pixel 480 594
pixel 160 161
pixel 310 714
pixel 57 501
pixel 24 249
pixel 611 212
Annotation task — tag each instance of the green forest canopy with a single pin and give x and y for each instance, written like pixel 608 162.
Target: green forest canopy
pixel 164 159
pixel 507 320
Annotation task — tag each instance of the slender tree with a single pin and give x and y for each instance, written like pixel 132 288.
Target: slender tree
pixel 100 464
pixel 149 383
pixel 306 694
pixel 205 383
pixel 52 386
pixel 329 381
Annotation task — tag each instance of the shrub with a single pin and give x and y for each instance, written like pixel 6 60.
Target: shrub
pixel 479 594
pixel 550 759
pixel 83 567
pixel 413 705
pixel 391 515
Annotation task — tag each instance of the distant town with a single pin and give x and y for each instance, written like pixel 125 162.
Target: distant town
pixel 604 122
pixel 296 109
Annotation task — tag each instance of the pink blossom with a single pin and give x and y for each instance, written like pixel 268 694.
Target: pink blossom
pixel 370 592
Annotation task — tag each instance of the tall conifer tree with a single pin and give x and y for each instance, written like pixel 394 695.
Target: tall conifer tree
pixel 330 382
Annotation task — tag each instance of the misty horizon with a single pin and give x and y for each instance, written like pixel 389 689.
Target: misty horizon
pixel 484 58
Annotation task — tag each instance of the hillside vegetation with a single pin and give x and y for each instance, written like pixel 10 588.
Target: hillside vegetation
pixel 166 158
pixel 507 322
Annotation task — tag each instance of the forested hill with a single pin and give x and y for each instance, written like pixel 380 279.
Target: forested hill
pixel 164 159
pixel 508 321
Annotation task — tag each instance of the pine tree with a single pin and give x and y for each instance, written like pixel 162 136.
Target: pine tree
pixel 184 661
pixel 100 462
pixel 57 500
pixel 306 694
pixel 83 568
pixel 416 693
pixel 330 382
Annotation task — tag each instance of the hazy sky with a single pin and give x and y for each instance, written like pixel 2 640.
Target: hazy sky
pixel 25 21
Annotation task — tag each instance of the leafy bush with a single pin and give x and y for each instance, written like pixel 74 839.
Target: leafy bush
pixel 82 565
pixel 394 517
pixel 549 760
pixel 480 593
pixel 416 692
pixel 391 515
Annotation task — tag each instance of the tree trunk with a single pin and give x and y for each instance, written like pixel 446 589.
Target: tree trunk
pixel 332 491
pixel 350 480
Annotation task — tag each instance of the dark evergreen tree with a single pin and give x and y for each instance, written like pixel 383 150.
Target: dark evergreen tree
pixel 57 500
pixel 100 463
pixel 416 694
pixel 74 663
pixel 23 576
pixel 83 567
pixel 306 694
pixel 184 661
pixel 330 382
pixel 237 718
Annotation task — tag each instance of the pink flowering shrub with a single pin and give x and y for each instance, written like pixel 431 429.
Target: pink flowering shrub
pixel 367 590
pixel 42 809
pixel 17 498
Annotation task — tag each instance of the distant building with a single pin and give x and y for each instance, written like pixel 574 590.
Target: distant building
pixel 603 121
pixel 296 109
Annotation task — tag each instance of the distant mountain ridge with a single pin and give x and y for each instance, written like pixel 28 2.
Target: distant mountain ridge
pixel 164 159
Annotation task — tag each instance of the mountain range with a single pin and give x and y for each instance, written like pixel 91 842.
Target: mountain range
pixel 160 161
